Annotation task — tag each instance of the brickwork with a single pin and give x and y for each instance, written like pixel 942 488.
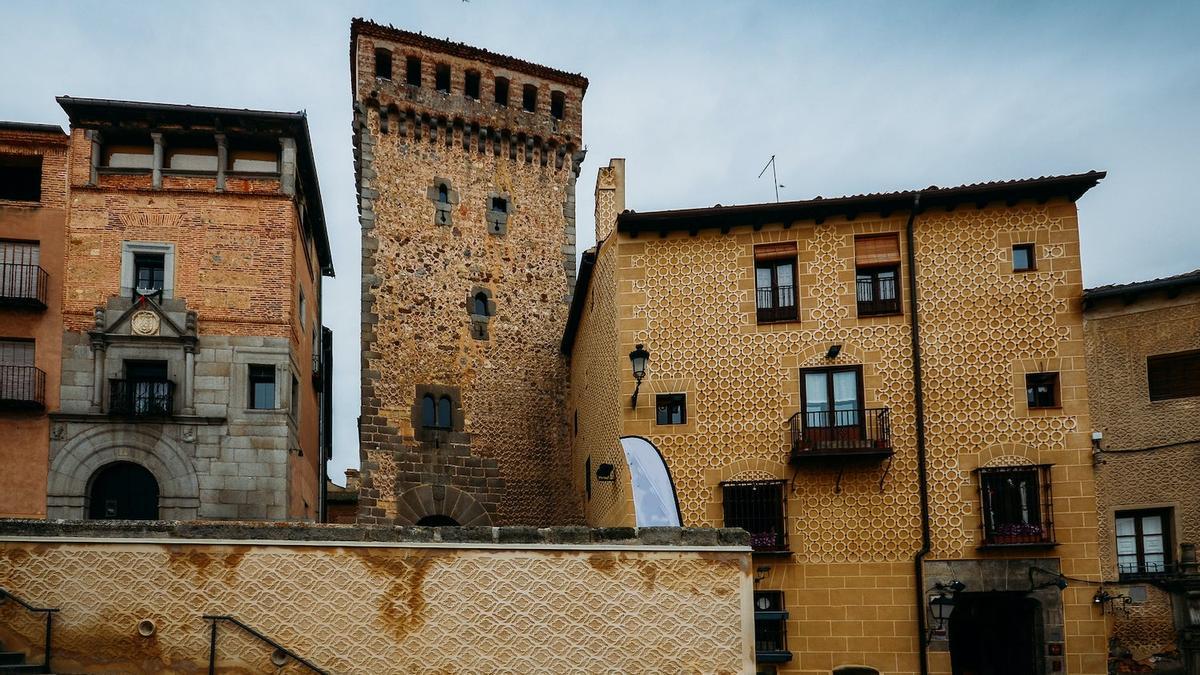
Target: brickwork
pixel 356 600
pixel 419 264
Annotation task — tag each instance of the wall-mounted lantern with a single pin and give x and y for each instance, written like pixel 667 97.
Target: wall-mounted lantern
pixel 941 605
pixel 833 351
pixel 638 358
pixel 606 473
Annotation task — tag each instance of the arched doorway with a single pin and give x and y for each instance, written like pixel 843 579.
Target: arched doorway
pixel 123 491
pixel 997 633
pixel 437 521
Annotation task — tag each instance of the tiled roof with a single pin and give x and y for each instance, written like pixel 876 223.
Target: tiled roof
pixel 1175 282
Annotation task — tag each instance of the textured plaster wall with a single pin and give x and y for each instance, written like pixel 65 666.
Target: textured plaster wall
pixel 399 607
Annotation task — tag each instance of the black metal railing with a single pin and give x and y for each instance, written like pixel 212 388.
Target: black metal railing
pixel 776 303
pixel 22 387
pixel 49 612
pixel 877 296
pixel 279 657
pixel 770 628
pixel 1017 505
pixel 758 507
pixel 856 430
pixel 141 398
pixel 23 285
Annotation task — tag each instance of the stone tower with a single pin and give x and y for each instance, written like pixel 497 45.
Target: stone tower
pixel 466 164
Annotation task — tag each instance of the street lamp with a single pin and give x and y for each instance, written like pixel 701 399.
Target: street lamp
pixel 941 606
pixel 638 359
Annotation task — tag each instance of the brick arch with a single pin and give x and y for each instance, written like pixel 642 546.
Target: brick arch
pixel 1008 454
pixel 73 467
pixel 441 500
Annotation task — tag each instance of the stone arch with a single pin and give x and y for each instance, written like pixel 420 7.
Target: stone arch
pixel 426 501
pixel 73 466
pixel 1008 454
pixel 749 468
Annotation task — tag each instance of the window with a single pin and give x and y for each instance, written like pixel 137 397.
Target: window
pixel 436 412
pixel 498 207
pixel 443 194
pixel 294 404
pixel 1041 390
pixel 758 508
pixel 501 91
pixel 471 85
pixel 262 387
pixel 770 628
pixel 1016 505
pixel 1022 258
pixel 303 308
pixel 832 399
pixel 129 156
pixel 443 412
pixel 441 78
pixel 877 268
pixel 22 281
pixel 203 159
pixel 529 98
pixel 1143 541
pixel 775 282
pixel 21 177
pixel 558 104
pixel 500 204
pixel 149 273
pixel 383 63
pixel 1173 375
pixel 671 409
pixel 145 390
pixel 412 71
pixel 254 158
pixel 480 307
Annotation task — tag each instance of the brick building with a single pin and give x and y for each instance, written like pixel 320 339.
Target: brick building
pixel 1143 362
pixel 191 365
pixel 466 163
pixel 887 391
pixel 33 208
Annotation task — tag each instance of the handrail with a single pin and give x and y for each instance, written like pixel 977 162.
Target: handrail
pixel 212 647
pixel 50 611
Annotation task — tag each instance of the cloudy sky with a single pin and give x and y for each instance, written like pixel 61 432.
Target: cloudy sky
pixel 851 97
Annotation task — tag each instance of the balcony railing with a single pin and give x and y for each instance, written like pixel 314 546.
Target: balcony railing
pixel 877 296
pixel 23 285
pixel 759 508
pixel 776 303
pixel 22 388
pixel 141 398
pixel 1018 509
pixel 857 432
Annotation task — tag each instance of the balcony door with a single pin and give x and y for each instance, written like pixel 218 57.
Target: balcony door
pixel 833 405
pixel 19 262
pixel 149 390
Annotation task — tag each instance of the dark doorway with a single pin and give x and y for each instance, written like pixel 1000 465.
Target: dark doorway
pixel 437 521
pixel 996 634
pixel 123 491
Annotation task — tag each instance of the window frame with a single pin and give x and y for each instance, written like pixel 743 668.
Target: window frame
pixel 734 510
pixel 472 76
pixel 1163 364
pixel 19 165
pixel 1168 522
pixel 776 313
pixel 502 91
pixel 1055 390
pixel 1031 250
pixel 829 372
pixel 1019 533
pixel 383 51
pixel 529 98
pixel 129 249
pixel 873 271
pixel 671 400
pixel 443 78
pixel 412 70
pixel 265 371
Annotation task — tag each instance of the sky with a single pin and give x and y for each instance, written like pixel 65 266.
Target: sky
pixel 850 97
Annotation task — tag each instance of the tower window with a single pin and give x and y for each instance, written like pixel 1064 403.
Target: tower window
pixel 501 91
pixel 262 387
pixel 498 209
pixel 442 79
pixel 443 412
pixel 1022 258
pixel 383 63
pixel 413 71
pixel 443 194
pixel 436 411
pixel 529 98
pixel 21 177
pixel 558 104
pixel 481 304
pixel 500 204
pixel 471 86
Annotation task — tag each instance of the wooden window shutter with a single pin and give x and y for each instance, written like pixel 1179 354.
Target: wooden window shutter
pixel 1174 375
pixel 877 249
pixel 779 251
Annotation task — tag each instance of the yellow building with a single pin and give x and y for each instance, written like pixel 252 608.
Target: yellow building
pixel 1143 359
pixel 876 461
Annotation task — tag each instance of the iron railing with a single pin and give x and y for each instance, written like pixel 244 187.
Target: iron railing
pixel 22 387
pixel 23 285
pixel 833 432
pixel 759 507
pixel 1017 504
pixel 776 303
pixel 770 628
pixel 279 657
pixel 877 296
pixel 49 612
pixel 141 398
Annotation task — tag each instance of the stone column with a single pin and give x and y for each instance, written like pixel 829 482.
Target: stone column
pixel 287 166
pixel 99 350
pixel 189 379
pixel 222 160
pixel 158 159
pixel 97 155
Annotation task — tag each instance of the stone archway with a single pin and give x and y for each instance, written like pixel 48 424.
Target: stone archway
pixel 122 491
pixel 73 466
pixel 434 503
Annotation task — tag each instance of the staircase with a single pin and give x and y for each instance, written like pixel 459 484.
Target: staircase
pixel 14 662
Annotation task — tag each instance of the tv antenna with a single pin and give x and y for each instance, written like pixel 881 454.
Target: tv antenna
pixel 774 178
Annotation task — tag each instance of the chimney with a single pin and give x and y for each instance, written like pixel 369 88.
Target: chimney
pixel 610 197
pixel 352 479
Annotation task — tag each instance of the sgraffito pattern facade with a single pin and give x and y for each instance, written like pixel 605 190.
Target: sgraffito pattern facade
pixel 853 530
pixel 432 166
pixel 408 606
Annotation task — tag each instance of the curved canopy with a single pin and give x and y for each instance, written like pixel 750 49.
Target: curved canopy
pixel 653 492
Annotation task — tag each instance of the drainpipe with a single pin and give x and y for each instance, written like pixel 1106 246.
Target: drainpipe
pixel 922 471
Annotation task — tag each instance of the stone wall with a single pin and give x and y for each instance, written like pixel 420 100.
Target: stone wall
pixel 502 459
pixel 374 600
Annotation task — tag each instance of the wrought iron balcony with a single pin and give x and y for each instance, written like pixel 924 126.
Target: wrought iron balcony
pixel 141 398
pixel 776 303
pixel 23 285
pixel 1018 506
pixel 760 508
pixel 22 388
pixel 878 297
pixel 864 433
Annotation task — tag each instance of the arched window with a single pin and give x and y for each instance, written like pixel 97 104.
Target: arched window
pixel 443 193
pixel 443 412
pixel 428 411
pixel 437 521
pixel 481 304
pixel 123 491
